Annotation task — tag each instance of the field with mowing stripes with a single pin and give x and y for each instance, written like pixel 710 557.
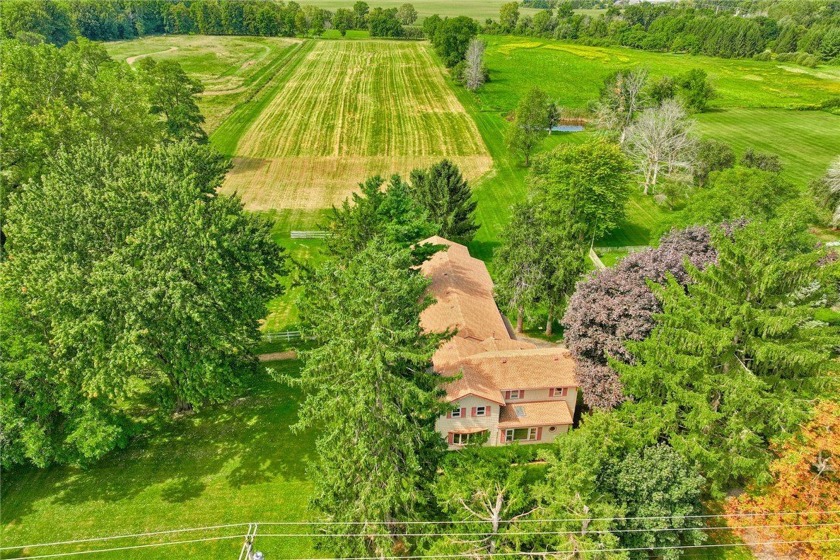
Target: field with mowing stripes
pixel 350 110
pixel 232 69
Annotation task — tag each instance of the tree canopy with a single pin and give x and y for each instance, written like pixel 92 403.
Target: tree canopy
pixel 446 197
pixel 127 274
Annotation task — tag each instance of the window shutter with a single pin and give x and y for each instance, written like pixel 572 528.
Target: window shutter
pixel 449 414
pixel 472 412
pixel 565 391
pixel 551 392
pixel 521 394
pixel 539 434
pixel 451 438
pixel 487 411
pixel 463 412
pixel 507 395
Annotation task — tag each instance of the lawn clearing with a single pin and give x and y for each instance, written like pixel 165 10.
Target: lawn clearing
pixel 351 110
pixel 752 108
pixel 230 68
pixel 476 9
pixel 230 463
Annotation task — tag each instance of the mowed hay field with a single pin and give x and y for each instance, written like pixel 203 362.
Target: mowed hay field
pixel 229 68
pixel 350 110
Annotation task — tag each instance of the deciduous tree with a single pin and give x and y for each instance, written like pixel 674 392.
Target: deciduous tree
pixel 826 192
pixel 804 478
pixel 474 70
pixel 172 94
pixel 695 90
pixel 407 14
pixel 530 124
pixel 508 16
pixel 127 275
pixel 622 98
pixel 616 305
pixel 661 142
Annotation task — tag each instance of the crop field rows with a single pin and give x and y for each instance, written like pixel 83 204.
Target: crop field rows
pixel 350 110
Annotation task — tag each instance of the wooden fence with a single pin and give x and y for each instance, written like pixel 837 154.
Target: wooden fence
pixel 593 256
pixel 285 336
pixel 310 234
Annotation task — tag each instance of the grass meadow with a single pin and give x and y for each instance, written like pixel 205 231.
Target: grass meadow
pixel 757 105
pixel 226 464
pixel 230 68
pixel 351 110
pixel 476 9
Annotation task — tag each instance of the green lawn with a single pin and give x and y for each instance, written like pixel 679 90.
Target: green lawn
pixel 752 108
pixel 230 463
pixel 231 69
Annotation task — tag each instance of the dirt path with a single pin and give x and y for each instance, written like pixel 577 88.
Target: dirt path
pixel 131 59
pixel 277 356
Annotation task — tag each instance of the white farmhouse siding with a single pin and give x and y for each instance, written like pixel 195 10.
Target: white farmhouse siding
pixel 530 391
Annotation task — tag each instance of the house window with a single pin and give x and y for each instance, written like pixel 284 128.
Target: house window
pixel 456 413
pixel 515 394
pixel 560 391
pixel 521 434
pixel 481 411
pixel 464 439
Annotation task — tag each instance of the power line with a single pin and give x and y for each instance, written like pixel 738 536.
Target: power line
pixel 130 536
pixel 556 520
pixel 414 523
pixel 556 533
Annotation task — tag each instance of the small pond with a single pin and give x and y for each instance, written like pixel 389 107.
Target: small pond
pixel 567 128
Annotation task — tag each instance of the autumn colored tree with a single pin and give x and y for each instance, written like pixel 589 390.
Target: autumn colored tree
pixel 806 477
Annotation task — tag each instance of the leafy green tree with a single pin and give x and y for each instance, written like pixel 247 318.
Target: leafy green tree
pixel 712 155
pixel 518 260
pixel 571 489
pixel 585 186
pixel 172 94
pixel 508 16
pixel 63 97
pixel 128 276
pixel 360 12
pixel 762 161
pixel 343 20
pixel 46 18
pixel 485 492
pixel 695 90
pixel 660 493
pixel 451 37
pixel 446 197
pixel 371 395
pixel 734 194
pixel 384 23
pixel 734 354
pixel 530 125
pixel 391 214
pixel 407 14
pixel 661 90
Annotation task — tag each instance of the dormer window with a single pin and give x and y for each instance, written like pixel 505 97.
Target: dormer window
pixel 515 394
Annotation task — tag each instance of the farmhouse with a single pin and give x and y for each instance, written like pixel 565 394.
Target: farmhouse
pixel 504 389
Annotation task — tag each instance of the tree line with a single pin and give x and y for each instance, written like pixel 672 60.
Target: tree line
pixel 60 21
pixel 130 288
pixel 731 30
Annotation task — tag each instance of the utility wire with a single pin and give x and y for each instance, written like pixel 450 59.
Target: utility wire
pixel 318 524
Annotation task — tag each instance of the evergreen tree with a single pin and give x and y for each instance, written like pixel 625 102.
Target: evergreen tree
pixel 446 197
pixel 391 214
pixel 733 355
pixel 372 396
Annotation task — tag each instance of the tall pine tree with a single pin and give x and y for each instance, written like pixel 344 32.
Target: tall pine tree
pixel 372 396
pixel 446 196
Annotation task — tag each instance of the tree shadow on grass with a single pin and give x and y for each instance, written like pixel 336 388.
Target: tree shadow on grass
pixel 249 434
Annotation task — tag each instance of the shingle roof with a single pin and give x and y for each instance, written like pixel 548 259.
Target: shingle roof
pixel 546 413
pixel 483 351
